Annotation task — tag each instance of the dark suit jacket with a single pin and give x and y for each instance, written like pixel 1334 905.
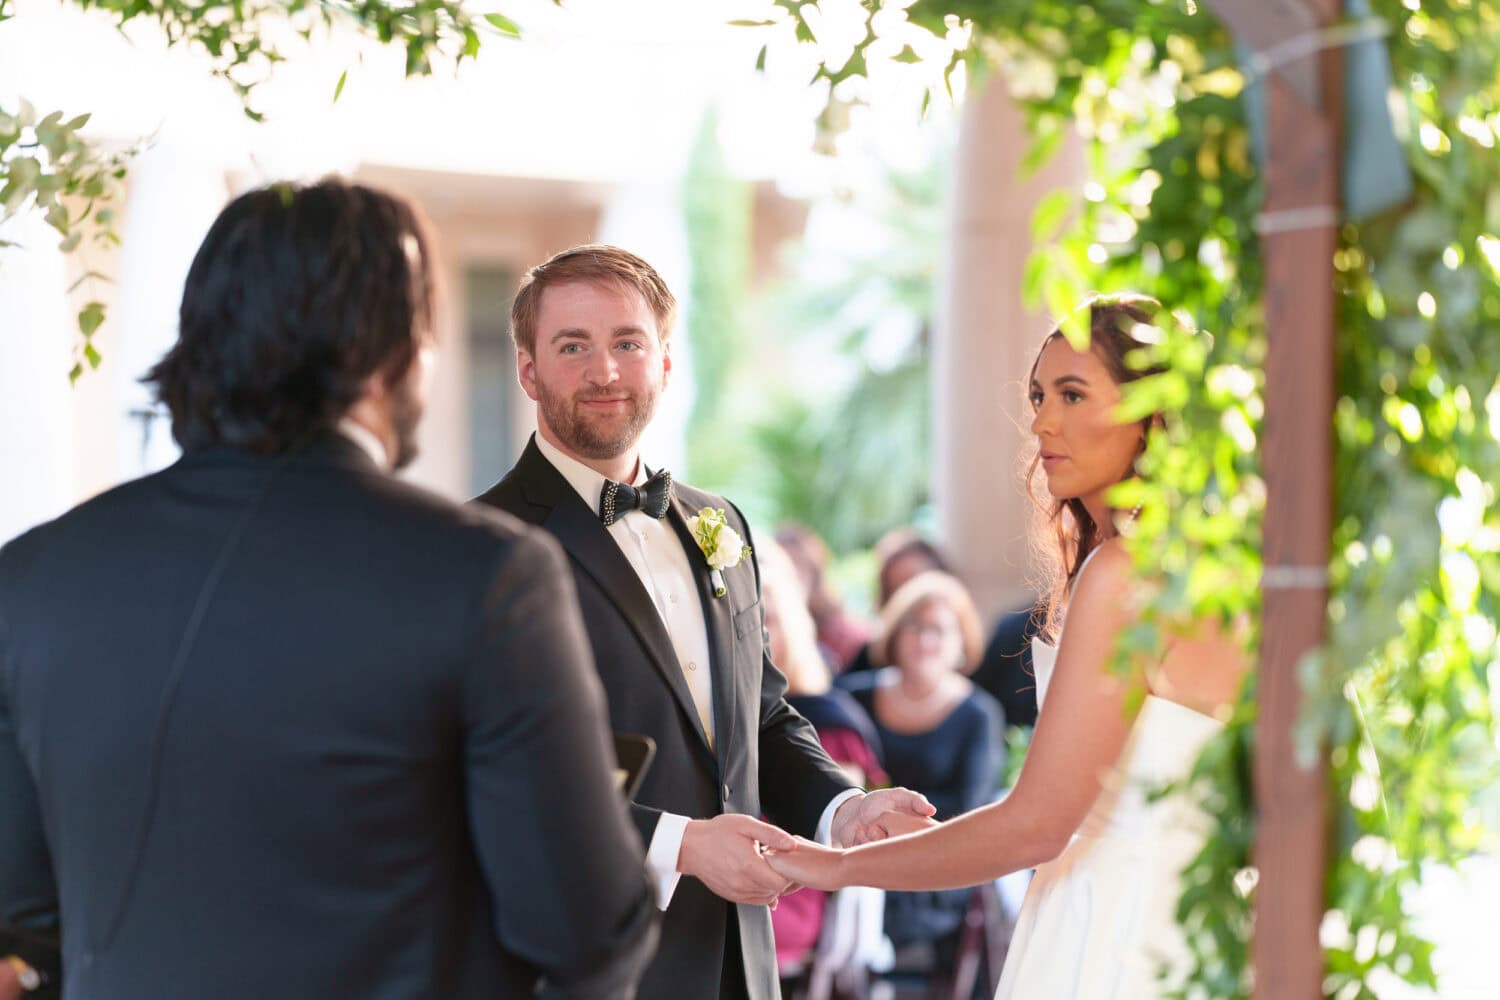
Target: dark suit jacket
pixel 766 758
pixel 383 770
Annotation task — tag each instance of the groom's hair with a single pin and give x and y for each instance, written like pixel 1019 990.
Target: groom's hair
pixel 297 296
pixel 594 264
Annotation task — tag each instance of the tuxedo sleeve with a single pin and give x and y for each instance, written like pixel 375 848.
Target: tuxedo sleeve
pixel 798 780
pixel 563 862
pixel 28 891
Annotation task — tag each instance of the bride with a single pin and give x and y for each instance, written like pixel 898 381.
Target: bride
pixel 1098 920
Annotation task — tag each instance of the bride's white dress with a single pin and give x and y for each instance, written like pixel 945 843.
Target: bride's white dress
pixel 1098 922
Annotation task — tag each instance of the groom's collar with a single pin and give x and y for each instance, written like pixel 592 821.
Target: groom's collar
pixel 367 441
pixel 586 482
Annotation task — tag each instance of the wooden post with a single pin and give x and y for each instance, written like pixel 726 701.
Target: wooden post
pixel 1299 236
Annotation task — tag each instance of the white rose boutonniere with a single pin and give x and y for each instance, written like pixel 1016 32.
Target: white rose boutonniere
pixel 722 546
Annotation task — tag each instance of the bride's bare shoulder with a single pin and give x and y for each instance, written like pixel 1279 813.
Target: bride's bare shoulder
pixel 1203 666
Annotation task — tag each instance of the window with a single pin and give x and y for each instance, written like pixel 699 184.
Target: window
pixel 488 291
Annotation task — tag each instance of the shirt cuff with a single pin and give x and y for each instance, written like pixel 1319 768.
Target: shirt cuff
pixel 661 856
pixel 825 825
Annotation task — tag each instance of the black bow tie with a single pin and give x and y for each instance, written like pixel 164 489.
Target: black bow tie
pixel 652 498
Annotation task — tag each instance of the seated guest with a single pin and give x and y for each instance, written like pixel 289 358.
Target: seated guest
pixel 840 634
pixel 902 554
pixel 843 728
pixel 1005 670
pixel 939 734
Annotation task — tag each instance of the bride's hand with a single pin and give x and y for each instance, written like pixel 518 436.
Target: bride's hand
pixel 809 864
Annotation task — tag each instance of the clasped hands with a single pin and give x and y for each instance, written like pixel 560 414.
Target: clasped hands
pixel 729 853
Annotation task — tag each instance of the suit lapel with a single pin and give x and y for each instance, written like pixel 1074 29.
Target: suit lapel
pixel 718 616
pixel 588 542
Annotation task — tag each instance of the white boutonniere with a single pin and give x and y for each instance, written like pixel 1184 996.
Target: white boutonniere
pixel 722 546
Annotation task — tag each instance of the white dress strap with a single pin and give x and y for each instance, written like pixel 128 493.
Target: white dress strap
pixel 1084 565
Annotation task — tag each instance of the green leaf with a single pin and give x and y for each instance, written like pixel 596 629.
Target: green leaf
pixel 747 23
pixel 339 87
pixel 75 373
pixel 1075 326
pixel 57 217
pixel 70 242
pixel 1049 215
pixel 86 276
pixel 760 60
pixel 1034 275
pixel 90 317
pixel 417 63
pixel 1045 142
pixel 504 25
pixel 91 354
pixel 907 55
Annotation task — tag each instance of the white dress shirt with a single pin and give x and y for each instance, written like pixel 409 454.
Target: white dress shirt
pixel 659 559
pixel 368 442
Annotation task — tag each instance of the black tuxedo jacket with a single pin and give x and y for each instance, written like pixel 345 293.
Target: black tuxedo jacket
pixel 766 759
pixel 383 770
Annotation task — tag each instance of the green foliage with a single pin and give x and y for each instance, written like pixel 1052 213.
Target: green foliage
pixel 849 456
pixel 1401 697
pixel 235 36
pixel 48 166
pixel 855 465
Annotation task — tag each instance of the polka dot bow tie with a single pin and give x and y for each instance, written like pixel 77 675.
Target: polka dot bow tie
pixel 652 498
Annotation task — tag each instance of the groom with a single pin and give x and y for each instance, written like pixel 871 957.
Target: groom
pixel 680 646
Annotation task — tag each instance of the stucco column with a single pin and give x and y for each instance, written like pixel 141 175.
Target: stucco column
pixel 984 345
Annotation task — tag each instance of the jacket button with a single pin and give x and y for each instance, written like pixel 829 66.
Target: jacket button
pixel 726 793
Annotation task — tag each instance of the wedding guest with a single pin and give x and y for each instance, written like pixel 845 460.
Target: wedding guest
pixel 843 728
pixel 274 723
pixel 1005 670
pixel 840 634
pixel 939 733
pixel 902 554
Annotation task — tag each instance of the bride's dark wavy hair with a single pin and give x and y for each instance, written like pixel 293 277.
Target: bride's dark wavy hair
pixel 1064 533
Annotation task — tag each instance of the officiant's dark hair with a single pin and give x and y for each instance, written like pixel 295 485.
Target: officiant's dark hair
pixel 597 264
pixel 1068 533
pixel 297 296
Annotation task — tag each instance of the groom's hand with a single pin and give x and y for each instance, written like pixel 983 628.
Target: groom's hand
pixel 724 854
pixel 889 812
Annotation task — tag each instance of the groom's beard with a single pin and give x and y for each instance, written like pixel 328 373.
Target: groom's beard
pixel 596 435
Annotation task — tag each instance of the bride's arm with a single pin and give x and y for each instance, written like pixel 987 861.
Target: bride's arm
pixel 1079 735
